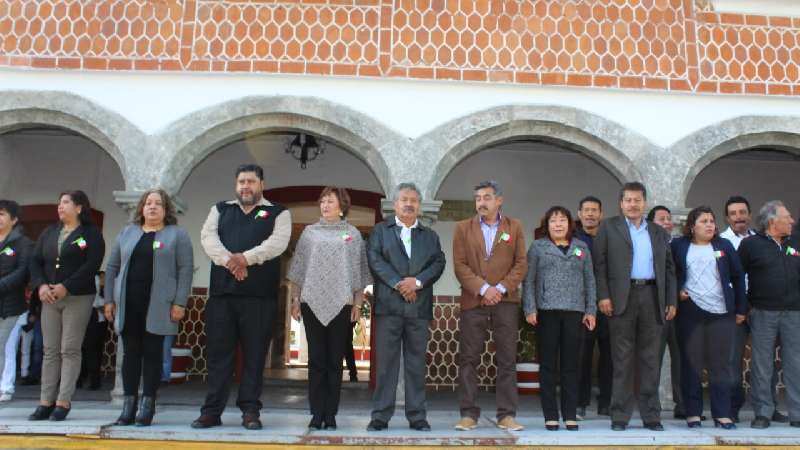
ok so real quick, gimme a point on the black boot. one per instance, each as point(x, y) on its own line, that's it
point(147, 409)
point(128, 411)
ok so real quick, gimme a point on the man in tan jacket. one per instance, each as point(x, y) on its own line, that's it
point(490, 261)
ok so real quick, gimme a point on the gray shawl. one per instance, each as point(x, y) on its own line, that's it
point(329, 265)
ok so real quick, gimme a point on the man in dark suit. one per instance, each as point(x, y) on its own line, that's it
point(405, 259)
point(636, 289)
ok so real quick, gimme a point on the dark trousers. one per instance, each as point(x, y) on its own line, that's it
point(670, 340)
point(638, 330)
point(142, 358)
point(558, 336)
point(393, 333)
point(586, 356)
point(742, 334)
point(349, 353)
point(705, 341)
point(92, 349)
point(326, 346)
point(474, 326)
point(230, 320)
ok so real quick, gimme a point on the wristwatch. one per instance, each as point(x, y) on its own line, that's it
point(419, 283)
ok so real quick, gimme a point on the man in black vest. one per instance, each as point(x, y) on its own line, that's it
point(244, 239)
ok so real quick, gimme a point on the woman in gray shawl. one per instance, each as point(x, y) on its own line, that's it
point(328, 274)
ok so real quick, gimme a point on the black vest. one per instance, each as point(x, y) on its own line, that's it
point(240, 232)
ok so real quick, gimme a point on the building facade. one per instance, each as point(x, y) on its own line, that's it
point(555, 99)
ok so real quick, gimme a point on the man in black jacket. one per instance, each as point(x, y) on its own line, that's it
point(772, 262)
point(406, 260)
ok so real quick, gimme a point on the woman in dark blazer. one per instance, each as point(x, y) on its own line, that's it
point(64, 262)
point(148, 282)
point(712, 301)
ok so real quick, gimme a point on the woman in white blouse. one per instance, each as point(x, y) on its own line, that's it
point(712, 301)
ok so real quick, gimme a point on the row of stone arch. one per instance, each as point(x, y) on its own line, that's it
point(167, 158)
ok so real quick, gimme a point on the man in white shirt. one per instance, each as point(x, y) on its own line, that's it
point(737, 213)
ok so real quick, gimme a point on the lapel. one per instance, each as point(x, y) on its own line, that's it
point(502, 228)
point(475, 240)
point(131, 241)
point(622, 227)
point(722, 268)
point(70, 238)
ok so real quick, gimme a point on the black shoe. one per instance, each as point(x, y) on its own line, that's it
point(619, 426)
point(794, 423)
point(553, 427)
point(724, 425)
point(654, 426)
point(354, 378)
point(251, 421)
point(42, 412)
point(377, 425)
point(147, 409)
point(779, 418)
point(206, 421)
point(760, 423)
point(316, 423)
point(571, 427)
point(420, 425)
point(128, 414)
point(329, 423)
point(603, 411)
point(694, 424)
point(59, 414)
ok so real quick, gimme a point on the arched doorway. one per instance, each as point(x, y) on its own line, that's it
point(212, 180)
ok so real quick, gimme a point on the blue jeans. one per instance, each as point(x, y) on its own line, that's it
point(166, 365)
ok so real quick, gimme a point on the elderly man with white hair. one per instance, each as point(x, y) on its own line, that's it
point(771, 259)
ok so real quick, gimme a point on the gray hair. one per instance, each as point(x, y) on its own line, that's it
point(489, 184)
point(406, 187)
point(767, 212)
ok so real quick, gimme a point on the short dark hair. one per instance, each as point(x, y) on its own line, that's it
point(652, 214)
point(632, 186)
point(691, 220)
point(341, 195)
point(736, 199)
point(489, 184)
point(251, 168)
point(170, 217)
point(590, 199)
point(12, 208)
point(552, 212)
point(80, 199)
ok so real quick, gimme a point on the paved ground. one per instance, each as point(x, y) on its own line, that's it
point(285, 418)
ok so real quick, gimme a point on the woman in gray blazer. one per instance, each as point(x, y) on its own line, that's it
point(558, 296)
point(148, 281)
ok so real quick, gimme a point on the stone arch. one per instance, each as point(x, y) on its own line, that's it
point(701, 148)
point(188, 141)
point(610, 144)
point(110, 131)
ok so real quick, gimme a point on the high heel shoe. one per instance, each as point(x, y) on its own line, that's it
point(147, 409)
point(59, 414)
point(42, 412)
point(724, 425)
point(571, 426)
point(694, 424)
point(551, 427)
point(128, 414)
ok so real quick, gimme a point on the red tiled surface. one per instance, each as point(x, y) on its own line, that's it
point(630, 44)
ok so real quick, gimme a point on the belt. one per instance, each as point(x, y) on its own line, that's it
point(640, 282)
